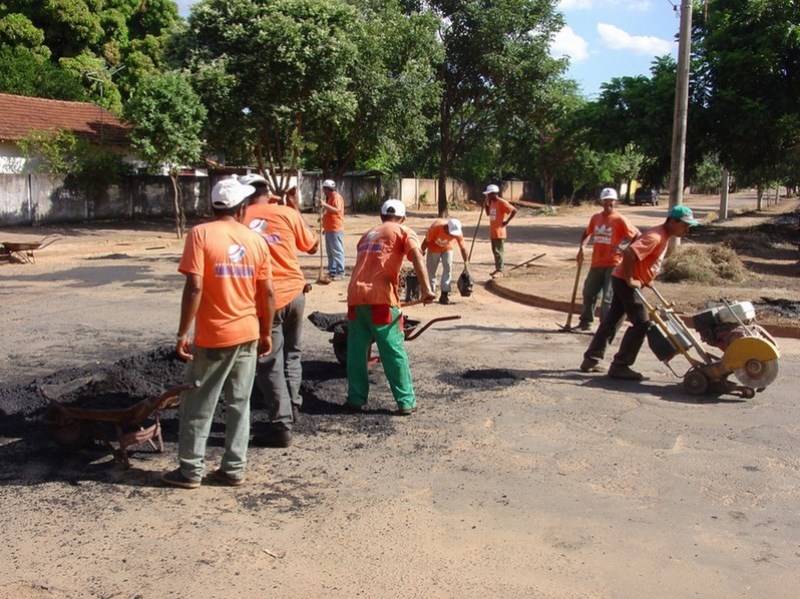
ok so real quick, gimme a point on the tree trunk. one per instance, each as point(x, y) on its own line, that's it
point(180, 217)
point(759, 198)
point(548, 188)
point(444, 156)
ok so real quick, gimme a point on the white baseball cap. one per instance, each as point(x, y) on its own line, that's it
point(609, 193)
point(454, 227)
point(329, 183)
point(254, 179)
point(491, 189)
point(230, 192)
point(393, 208)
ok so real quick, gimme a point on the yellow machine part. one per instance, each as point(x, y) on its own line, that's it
point(748, 348)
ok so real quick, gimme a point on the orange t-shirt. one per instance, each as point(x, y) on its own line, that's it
point(498, 210)
point(230, 259)
point(649, 250)
point(439, 240)
point(284, 231)
point(381, 252)
point(333, 222)
point(608, 231)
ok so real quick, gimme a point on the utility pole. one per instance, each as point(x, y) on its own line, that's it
point(681, 108)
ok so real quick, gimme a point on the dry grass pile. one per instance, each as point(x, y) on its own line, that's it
point(754, 242)
point(703, 264)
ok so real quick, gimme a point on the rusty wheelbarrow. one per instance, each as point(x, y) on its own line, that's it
point(337, 324)
point(23, 251)
point(75, 428)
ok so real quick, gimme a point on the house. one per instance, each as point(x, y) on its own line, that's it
point(21, 115)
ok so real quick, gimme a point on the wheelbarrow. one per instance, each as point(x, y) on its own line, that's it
point(75, 428)
point(23, 251)
point(748, 351)
point(337, 324)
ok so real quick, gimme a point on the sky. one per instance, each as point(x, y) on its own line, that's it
point(605, 38)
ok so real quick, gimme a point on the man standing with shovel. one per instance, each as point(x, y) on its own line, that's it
point(610, 230)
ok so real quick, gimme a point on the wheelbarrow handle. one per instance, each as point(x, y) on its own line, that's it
point(421, 330)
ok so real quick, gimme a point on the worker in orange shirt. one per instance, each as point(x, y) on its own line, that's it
point(641, 262)
point(500, 213)
point(609, 230)
point(438, 247)
point(333, 228)
point(373, 308)
point(279, 375)
point(228, 271)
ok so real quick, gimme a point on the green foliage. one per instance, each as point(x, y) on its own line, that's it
point(62, 152)
point(167, 119)
point(750, 51)
point(26, 73)
point(58, 152)
point(368, 204)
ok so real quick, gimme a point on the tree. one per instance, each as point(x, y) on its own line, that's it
point(167, 119)
point(490, 50)
point(749, 52)
point(25, 73)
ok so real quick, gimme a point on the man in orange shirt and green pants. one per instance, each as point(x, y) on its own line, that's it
point(498, 209)
point(227, 268)
point(641, 262)
point(280, 374)
point(608, 229)
point(373, 308)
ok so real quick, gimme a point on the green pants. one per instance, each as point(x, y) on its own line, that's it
point(498, 245)
point(361, 332)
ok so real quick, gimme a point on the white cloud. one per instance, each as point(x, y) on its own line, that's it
point(569, 43)
point(617, 39)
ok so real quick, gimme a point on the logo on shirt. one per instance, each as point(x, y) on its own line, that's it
point(602, 235)
point(259, 225)
point(236, 252)
point(369, 243)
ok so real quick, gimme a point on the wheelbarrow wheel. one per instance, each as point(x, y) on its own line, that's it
point(695, 382)
point(340, 344)
point(68, 433)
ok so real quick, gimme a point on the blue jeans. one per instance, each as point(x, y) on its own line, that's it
point(280, 374)
point(334, 246)
point(228, 369)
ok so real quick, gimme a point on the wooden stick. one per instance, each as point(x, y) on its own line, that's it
point(480, 216)
point(528, 262)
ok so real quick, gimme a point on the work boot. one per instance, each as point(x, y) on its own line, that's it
point(175, 478)
point(223, 478)
point(590, 365)
point(443, 299)
point(623, 371)
point(585, 326)
point(405, 411)
point(275, 437)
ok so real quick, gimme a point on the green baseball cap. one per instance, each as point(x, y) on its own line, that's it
point(683, 214)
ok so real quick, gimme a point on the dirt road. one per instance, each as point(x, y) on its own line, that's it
point(520, 476)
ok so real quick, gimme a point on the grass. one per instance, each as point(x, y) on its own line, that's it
point(703, 264)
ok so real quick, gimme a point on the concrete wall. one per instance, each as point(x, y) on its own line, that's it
point(425, 192)
point(35, 199)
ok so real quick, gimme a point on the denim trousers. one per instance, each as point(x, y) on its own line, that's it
point(228, 369)
point(334, 246)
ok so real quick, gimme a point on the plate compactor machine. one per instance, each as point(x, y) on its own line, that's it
point(748, 351)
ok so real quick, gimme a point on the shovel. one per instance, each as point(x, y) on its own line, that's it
point(321, 280)
point(568, 328)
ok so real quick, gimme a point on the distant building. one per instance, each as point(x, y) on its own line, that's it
point(21, 115)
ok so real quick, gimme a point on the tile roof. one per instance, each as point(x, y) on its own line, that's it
point(19, 115)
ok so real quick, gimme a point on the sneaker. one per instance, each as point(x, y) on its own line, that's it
point(443, 299)
point(276, 437)
point(405, 411)
point(176, 479)
point(590, 365)
point(222, 477)
point(585, 326)
point(622, 371)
